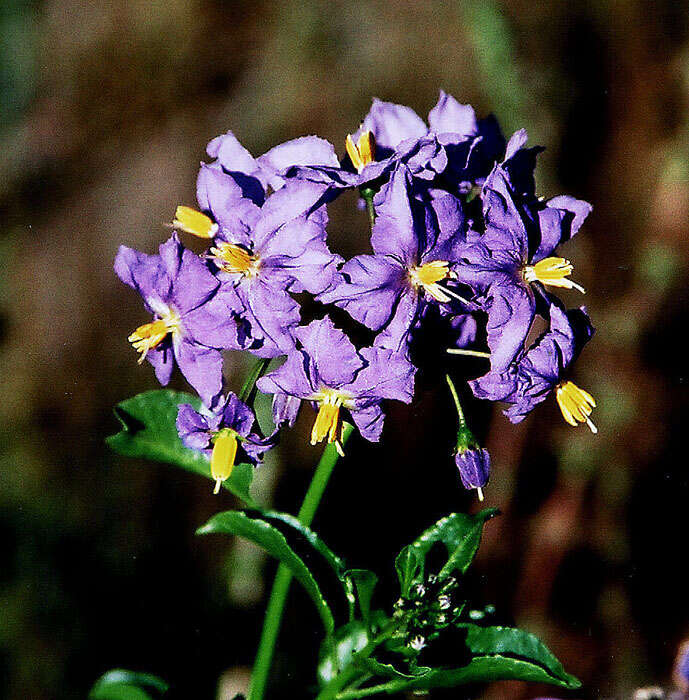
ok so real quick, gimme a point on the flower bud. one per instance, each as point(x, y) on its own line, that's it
point(472, 460)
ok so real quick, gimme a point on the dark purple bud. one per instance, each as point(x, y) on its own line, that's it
point(474, 467)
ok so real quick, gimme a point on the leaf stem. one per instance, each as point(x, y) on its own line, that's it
point(458, 405)
point(283, 578)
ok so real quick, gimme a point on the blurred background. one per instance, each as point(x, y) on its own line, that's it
point(106, 108)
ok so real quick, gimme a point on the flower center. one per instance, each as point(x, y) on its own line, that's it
point(233, 258)
point(223, 456)
point(427, 277)
point(576, 404)
point(194, 222)
point(150, 335)
point(328, 422)
point(363, 151)
point(553, 272)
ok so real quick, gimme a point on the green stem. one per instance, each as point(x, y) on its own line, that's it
point(283, 578)
point(255, 374)
point(458, 405)
point(389, 687)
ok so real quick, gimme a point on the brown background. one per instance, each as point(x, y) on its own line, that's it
point(106, 110)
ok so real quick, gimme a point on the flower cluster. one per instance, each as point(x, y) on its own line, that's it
point(459, 236)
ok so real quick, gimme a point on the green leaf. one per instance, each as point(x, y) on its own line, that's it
point(461, 535)
point(483, 669)
point(499, 653)
point(509, 641)
point(296, 532)
point(149, 431)
point(120, 684)
point(337, 650)
point(273, 541)
point(365, 582)
point(409, 567)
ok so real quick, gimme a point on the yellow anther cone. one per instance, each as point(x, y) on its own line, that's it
point(223, 456)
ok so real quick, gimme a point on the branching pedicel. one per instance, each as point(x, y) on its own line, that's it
point(461, 240)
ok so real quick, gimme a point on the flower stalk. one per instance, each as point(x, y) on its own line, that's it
point(283, 578)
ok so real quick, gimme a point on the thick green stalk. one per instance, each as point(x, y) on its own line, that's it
point(283, 578)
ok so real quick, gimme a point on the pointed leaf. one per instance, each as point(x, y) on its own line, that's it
point(482, 669)
point(301, 538)
point(149, 431)
point(509, 641)
point(461, 535)
point(273, 541)
point(409, 567)
point(120, 684)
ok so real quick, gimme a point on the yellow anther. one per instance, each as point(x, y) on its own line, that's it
point(234, 258)
point(328, 423)
point(150, 335)
point(223, 456)
point(427, 276)
point(194, 222)
point(553, 272)
point(363, 152)
point(576, 404)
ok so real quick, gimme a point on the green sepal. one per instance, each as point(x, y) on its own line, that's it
point(149, 431)
point(120, 684)
point(465, 440)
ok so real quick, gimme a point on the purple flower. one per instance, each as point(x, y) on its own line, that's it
point(470, 146)
point(255, 175)
point(193, 318)
point(328, 371)
point(228, 428)
point(415, 247)
point(264, 252)
point(542, 368)
point(453, 144)
point(502, 264)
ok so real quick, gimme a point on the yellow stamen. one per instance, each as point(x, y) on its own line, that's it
point(234, 258)
point(427, 277)
point(576, 404)
point(363, 152)
point(223, 456)
point(328, 423)
point(553, 272)
point(150, 335)
point(194, 222)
